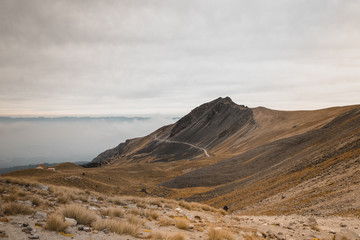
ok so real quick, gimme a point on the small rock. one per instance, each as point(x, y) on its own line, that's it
point(33, 237)
point(25, 225)
point(343, 225)
point(4, 219)
point(312, 221)
point(179, 210)
point(27, 202)
point(258, 234)
point(197, 217)
point(43, 187)
point(81, 228)
point(39, 224)
point(39, 215)
point(27, 231)
point(72, 222)
point(87, 229)
point(3, 234)
point(191, 227)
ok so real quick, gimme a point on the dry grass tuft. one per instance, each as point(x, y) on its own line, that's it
point(133, 220)
point(252, 237)
point(141, 205)
point(137, 211)
point(113, 212)
point(116, 226)
point(64, 198)
point(16, 208)
point(3, 189)
point(149, 213)
point(157, 202)
point(182, 224)
point(80, 214)
point(36, 201)
point(21, 182)
point(166, 221)
point(56, 223)
point(220, 234)
point(10, 198)
point(158, 235)
point(117, 201)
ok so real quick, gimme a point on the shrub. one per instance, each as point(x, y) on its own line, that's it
point(149, 213)
point(35, 200)
point(141, 205)
point(137, 211)
point(113, 212)
point(56, 223)
point(166, 236)
point(110, 224)
point(220, 234)
point(182, 224)
point(16, 208)
point(64, 198)
point(133, 220)
point(117, 201)
point(80, 214)
point(158, 235)
point(166, 221)
point(116, 226)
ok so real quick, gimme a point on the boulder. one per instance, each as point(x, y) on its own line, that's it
point(39, 215)
point(72, 222)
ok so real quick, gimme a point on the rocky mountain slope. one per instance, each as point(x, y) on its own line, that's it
point(250, 155)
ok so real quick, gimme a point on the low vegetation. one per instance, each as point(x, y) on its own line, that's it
point(14, 208)
point(182, 224)
point(80, 214)
point(220, 234)
point(56, 223)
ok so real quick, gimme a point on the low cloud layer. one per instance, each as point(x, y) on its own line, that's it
point(27, 141)
point(147, 57)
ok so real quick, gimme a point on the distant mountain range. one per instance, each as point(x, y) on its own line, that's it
point(30, 166)
point(70, 119)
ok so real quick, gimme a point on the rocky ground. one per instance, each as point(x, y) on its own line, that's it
point(27, 207)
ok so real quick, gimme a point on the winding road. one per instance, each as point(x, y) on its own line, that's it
point(189, 144)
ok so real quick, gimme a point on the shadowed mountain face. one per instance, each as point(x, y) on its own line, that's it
point(203, 128)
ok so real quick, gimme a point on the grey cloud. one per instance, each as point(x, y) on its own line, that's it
point(118, 57)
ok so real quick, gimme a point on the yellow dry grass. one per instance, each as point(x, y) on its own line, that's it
point(56, 223)
point(80, 214)
point(14, 208)
point(166, 221)
point(220, 234)
point(113, 212)
point(182, 224)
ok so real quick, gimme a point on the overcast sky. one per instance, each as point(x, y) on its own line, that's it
point(166, 57)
